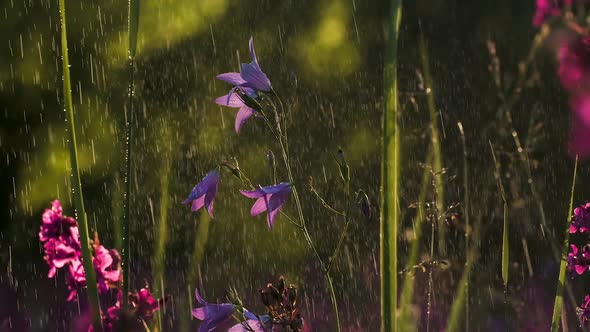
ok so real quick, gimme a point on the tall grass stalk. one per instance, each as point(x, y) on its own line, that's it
point(505, 243)
point(202, 235)
point(92, 290)
point(435, 141)
point(162, 234)
point(390, 176)
point(133, 26)
point(407, 321)
point(558, 305)
point(461, 302)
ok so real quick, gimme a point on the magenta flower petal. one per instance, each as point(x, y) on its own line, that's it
point(203, 194)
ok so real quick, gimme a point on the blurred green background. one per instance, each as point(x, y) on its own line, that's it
point(325, 59)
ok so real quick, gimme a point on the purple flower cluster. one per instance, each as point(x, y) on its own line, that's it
point(579, 261)
point(584, 311)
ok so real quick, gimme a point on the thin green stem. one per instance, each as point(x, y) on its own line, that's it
point(281, 135)
point(133, 26)
point(558, 306)
point(324, 203)
point(92, 290)
point(435, 141)
point(390, 163)
point(407, 322)
point(346, 223)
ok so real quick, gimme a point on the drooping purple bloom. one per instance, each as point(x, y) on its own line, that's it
point(236, 100)
point(583, 311)
point(203, 194)
point(250, 75)
point(581, 219)
point(578, 261)
point(574, 63)
point(144, 304)
point(269, 199)
point(214, 316)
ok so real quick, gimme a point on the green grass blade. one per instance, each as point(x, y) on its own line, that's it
point(92, 290)
point(505, 243)
point(133, 26)
point(436, 146)
point(558, 306)
point(390, 177)
point(195, 264)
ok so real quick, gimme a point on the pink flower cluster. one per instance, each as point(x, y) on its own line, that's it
point(61, 243)
point(62, 248)
point(578, 259)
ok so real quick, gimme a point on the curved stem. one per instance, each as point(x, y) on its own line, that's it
point(281, 135)
point(92, 290)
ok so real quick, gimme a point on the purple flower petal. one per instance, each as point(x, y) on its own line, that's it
point(244, 114)
point(258, 207)
point(253, 53)
point(203, 194)
point(255, 78)
point(232, 100)
point(232, 78)
point(252, 193)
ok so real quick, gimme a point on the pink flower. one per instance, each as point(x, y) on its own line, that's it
point(581, 219)
point(547, 9)
point(577, 261)
point(574, 63)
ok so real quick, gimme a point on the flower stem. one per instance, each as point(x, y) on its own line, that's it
point(92, 290)
point(133, 25)
point(558, 306)
point(281, 135)
point(390, 177)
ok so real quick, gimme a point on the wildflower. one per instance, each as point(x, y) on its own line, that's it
point(579, 143)
point(203, 194)
point(574, 63)
point(76, 278)
point(239, 100)
point(212, 315)
point(62, 241)
point(577, 261)
point(250, 75)
point(144, 303)
point(583, 311)
point(269, 199)
point(106, 265)
point(581, 219)
point(547, 9)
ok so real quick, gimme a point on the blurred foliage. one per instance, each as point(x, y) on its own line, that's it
point(325, 59)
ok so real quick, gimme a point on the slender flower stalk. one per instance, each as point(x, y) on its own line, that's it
point(282, 138)
point(558, 305)
point(435, 141)
point(407, 322)
point(133, 26)
point(92, 292)
point(462, 298)
point(390, 177)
